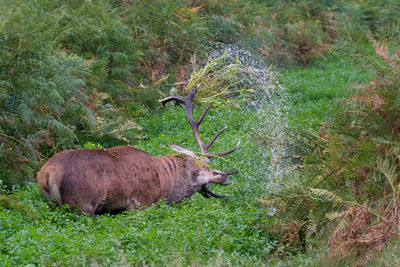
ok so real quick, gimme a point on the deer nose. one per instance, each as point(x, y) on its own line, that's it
point(226, 177)
point(220, 177)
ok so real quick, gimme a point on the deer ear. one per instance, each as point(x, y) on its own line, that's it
point(183, 150)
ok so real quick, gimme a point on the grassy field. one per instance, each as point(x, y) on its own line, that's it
point(310, 88)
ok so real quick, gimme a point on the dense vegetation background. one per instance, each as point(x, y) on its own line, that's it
point(310, 87)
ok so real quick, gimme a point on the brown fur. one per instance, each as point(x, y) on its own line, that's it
point(121, 178)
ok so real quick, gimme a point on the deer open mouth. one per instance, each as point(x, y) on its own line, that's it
point(207, 193)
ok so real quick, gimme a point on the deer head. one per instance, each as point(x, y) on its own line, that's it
point(216, 176)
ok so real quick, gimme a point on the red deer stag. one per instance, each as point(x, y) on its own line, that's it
point(123, 178)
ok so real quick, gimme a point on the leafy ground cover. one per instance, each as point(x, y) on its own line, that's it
point(87, 74)
point(315, 91)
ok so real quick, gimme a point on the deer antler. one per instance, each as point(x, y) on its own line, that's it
point(188, 103)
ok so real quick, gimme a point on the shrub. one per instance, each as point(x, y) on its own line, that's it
point(42, 95)
point(48, 94)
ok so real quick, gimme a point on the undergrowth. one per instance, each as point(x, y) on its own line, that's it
point(349, 189)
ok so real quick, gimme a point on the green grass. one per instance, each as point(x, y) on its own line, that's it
point(315, 91)
point(195, 231)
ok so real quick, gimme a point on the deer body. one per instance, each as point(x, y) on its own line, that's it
point(123, 178)
point(120, 178)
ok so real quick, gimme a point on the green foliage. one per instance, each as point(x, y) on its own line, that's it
point(77, 72)
point(376, 17)
point(368, 124)
point(49, 96)
point(43, 99)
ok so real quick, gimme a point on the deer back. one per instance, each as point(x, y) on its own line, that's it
point(118, 178)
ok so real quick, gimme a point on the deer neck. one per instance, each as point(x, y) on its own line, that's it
point(181, 176)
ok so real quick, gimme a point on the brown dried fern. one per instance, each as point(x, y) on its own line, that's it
point(382, 50)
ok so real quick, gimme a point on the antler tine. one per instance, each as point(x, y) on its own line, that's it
point(172, 98)
point(188, 102)
point(193, 92)
point(232, 173)
point(203, 114)
point(215, 137)
point(206, 189)
point(226, 152)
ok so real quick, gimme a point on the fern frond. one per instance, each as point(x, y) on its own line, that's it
point(25, 112)
point(299, 205)
point(331, 216)
point(343, 223)
point(117, 128)
point(121, 71)
point(382, 50)
point(325, 195)
point(54, 97)
point(60, 128)
point(5, 84)
point(76, 85)
point(128, 125)
point(388, 169)
point(384, 141)
point(31, 150)
point(119, 58)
